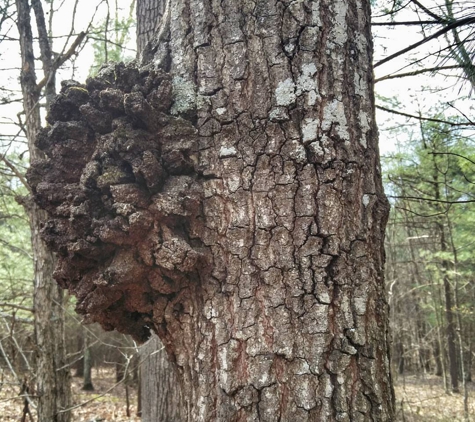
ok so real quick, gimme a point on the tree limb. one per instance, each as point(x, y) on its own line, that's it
point(63, 58)
point(450, 27)
point(428, 119)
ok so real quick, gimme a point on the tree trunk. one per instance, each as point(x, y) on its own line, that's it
point(149, 15)
point(448, 291)
point(79, 363)
point(52, 375)
point(87, 383)
point(161, 396)
point(248, 230)
point(291, 322)
point(438, 359)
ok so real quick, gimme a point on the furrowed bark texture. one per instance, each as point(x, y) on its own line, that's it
point(52, 375)
point(232, 203)
point(162, 398)
point(149, 14)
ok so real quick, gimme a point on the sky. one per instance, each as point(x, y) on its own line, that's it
point(416, 94)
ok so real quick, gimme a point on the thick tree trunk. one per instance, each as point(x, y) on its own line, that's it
point(252, 241)
point(52, 375)
point(161, 396)
point(291, 322)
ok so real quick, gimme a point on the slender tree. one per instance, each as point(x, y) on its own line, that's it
point(227, 195)
point(52, 375)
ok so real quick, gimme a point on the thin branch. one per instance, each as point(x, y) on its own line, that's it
point(440, 201)
point(416, 72)
point(453, 153)
point(12, 305)
point(421, 215)
point(60, 60)
point(428, 119)
point(429, 12)
point(15, 171)
point(450, 27)
point(405, 23)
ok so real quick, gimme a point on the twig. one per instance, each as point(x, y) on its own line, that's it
point(63, 58)
point(12, 167)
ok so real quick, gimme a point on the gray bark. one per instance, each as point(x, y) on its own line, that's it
point(52, 377)
point(161, 394)
point(87, 383)
point(232, 202)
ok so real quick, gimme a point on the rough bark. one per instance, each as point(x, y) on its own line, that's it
point(232, 203)
point(149, 16)
point(52, 377)
point(161, 395)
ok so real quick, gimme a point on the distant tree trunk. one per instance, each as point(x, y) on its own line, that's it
point(439, 370)
point(149, 15)
point(79, 364)
point(160, 388)
point(400, 357)
point(448, 291)
point(229, 197)
point(53, 379)
point(87, 383)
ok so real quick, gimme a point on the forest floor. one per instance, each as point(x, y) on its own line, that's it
point(423, 399)
point(418, 399)
point(106, 403)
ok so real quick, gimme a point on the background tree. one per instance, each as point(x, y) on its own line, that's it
point(430, 265)
point(48, 343)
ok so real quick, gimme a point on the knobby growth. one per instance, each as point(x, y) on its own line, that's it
point(121, 185)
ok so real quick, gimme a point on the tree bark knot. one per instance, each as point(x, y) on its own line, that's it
point(123, 196)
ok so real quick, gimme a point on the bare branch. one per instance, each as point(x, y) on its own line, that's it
point(407, 23)
point(417, 72)
point(12, 305)
point(440, 201)
point(12, 167)
point(60, 60)
point(450, 27)
point(428, 119)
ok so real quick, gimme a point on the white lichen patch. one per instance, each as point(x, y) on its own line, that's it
point(309, 129)
point(334, 112)
point(289, 47)
point(315, 16)
point(285, 93)
point(184, 95)
point(366, 199)
point(225, 152)
point(279, 114)
point(328, 390)
point(220, 111)
point(312, 98)
point(365, 127)
point(339, 33)
point(360, 301)
point(298, 152)
point(233, 183)
point(306, 81)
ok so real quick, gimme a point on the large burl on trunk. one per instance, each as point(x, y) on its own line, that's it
point(227, 195)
